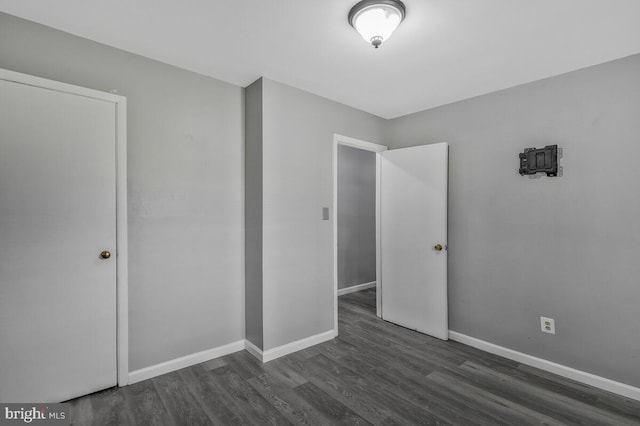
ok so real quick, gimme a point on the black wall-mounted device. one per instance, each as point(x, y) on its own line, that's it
point(536, 160)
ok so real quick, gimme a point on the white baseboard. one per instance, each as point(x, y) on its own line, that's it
point(197, 358)
point(552, 367)
point(185, 361)
point(271, 354)
point(355, 288)
point(253, 349)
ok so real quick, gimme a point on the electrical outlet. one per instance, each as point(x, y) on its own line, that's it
point(548, 325)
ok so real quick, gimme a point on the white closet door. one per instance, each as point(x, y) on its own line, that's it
point(413, 215)
point(57, 214)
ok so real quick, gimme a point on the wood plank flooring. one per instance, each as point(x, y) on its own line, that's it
point(373, 373)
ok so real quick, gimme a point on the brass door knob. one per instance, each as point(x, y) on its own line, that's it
point(105, 255)
point(438, 247)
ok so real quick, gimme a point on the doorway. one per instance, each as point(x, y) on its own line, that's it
point(356, 231)
point(63, 240)
point(411, 186)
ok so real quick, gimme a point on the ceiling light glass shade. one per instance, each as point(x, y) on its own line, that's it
point(376, 20)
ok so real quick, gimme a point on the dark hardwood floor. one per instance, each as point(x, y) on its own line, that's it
point(373, 373)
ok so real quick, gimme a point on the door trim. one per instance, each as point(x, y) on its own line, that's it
point(367, 146)
point(122, 284)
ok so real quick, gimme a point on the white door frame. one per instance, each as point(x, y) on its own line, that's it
point(367, 146)
point(122, 326)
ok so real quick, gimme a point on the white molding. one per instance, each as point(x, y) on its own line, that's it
point(253, 349)
point(296, 346)
point(357, 143)
point(184, 362)
point(378, 236)
point(552, 367)
point(122, 256)
point(289, 348)
point(122, 245)
point(335, 234)
point(355, 288)
point(367, 146)
point(58, 86)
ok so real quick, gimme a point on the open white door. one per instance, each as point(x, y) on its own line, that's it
point(57, 244)
point(413, 222)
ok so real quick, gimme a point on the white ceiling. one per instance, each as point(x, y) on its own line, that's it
point(444, 51)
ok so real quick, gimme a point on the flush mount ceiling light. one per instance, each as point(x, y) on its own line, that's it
point(376, 20)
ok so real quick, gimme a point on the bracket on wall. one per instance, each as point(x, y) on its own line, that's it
point(539, 160)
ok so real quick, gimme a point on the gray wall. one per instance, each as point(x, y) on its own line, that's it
point(298, 182)
point(520, 248)
point(565, 247)
point(356, 216)
point(253, 213)
point(185, 155)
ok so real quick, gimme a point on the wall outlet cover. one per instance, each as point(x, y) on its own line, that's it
point(548, 325)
